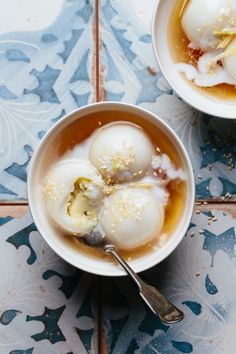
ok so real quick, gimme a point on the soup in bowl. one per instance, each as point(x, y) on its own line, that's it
point(116, 172)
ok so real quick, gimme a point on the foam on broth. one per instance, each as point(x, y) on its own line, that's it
point(81, 129)
point(182, 53)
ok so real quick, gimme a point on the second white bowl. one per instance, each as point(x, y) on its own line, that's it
point(161, 46)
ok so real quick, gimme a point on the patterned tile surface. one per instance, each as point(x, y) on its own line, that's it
point(131, 75)
point(200, 278)
point(46, 306)
point(46, 61)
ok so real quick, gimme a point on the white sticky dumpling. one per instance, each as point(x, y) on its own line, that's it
point(203, 20)
point(72, 191)
point(131, 217)
point(121, 152)
point(230, 60)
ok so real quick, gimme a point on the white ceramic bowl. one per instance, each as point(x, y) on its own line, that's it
point(194, 97)
point(63, 249)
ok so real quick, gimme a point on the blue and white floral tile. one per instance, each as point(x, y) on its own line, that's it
point(131, 75)
point(46, 70)
point(46, 306)
point(199, 277)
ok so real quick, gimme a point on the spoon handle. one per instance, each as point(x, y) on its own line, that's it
point(159, 305)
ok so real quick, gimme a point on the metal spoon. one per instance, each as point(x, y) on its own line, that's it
point(159, 305)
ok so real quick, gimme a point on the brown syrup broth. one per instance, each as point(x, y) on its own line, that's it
point(182, 53)
point(81, 129)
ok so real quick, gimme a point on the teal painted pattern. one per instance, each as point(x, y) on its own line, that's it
point(131, 75)
point(46, 306)
point(203, 289)
point(44, 74)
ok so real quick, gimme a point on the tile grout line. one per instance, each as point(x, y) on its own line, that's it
point(97, 80)
point(13, 203)
point(97, 50)
point(99, 316)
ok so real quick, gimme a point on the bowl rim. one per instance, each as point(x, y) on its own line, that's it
point(173, 83)
point(178, 237)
